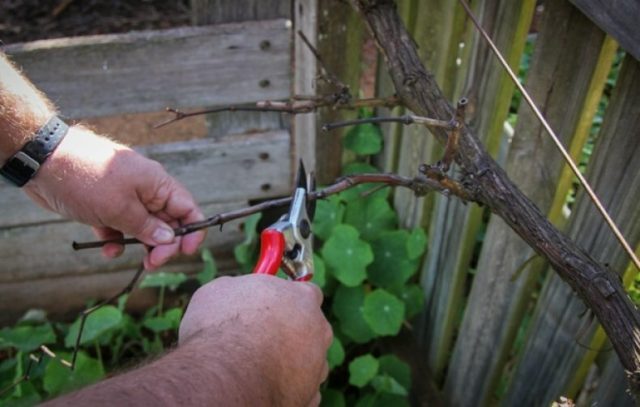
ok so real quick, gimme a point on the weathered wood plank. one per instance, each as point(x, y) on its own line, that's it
point(618, 19)
point(44, 251)
point(338, 24)
point(60, 295)
point(305, 68)
point(150, 70)
point(496, 303)
point(454, 225)
point(242, 167)
point(206, 12)
point(551, 356)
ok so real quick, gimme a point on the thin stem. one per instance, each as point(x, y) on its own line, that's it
point(420, 184)
point(406, 120)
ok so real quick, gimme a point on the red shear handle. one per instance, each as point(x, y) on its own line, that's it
point(271, 251)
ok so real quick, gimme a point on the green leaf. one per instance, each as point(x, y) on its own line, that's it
point(332, 398)
point(387, 384)
point(396, 368)
point(371, 217)
point(329, 213)
point(245, 252)
point(26, 338)
point(347, 256)
point(413, 298)
point(319, 271)
point(391, 266)
point(383, 312)
point(335, 354)
point(363, 139)
point(163, 279)
point(417, 243)
point(60, 379)
point(170, 320)
point(210, 269)
point(97, 323)
point(347, 306)
point(362, 369)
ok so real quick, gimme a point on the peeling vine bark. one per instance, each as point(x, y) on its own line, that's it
point(600, 289)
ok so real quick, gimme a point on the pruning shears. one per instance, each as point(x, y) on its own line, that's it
point(289, 241)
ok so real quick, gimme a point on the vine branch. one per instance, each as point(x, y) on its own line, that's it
point(420, 185)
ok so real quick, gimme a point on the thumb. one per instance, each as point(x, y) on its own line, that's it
point(147, 228)
point(154, 232)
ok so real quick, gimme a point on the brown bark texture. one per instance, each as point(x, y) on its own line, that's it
point(600, 288)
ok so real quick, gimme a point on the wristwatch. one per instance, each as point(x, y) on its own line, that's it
point(24, 164)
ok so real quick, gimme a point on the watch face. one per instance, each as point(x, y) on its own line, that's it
point(20, 168)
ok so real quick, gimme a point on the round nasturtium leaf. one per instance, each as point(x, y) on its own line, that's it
point(329, 213)
point(362, 369)
point(371, 217)
point(163, 279)
point(335, 353)
point(347, 306)
point(384, 312)
point(384, 383)
point(363, 139)
point(60, 379)
point(347, 256)
point(391, 266)
point(396, 368)
point(417, 243)
point(97, 323)
point(319, 271)
point(26, 338)
point(413, 298)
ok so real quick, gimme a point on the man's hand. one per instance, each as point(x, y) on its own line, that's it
point(280, 333)
point(96, 181)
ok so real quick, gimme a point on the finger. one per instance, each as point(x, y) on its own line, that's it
point(146, 227)
point(182, 207)
point(315, 401)
point(160, 254)
point(325, 372)
point(312, 290)
point(109, 250)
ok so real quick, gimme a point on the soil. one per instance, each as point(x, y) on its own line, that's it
point(30, 20)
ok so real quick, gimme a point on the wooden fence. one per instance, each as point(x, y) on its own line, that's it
point(499, 327)
point(246, 53)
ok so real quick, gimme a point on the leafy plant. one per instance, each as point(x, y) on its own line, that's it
point(111, 338)
point(366, 266)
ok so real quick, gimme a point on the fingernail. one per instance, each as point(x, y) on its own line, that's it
point(163, 235)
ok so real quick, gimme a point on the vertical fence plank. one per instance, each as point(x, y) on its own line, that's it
point(496, 302)
point(454, 226)
point(433, 33)
point(340, 33)
point(305, 19)
point(551, 354)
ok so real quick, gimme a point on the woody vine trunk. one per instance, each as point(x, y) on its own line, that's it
point(600, 289)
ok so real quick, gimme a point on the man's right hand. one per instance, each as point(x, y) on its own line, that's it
point(281, 334)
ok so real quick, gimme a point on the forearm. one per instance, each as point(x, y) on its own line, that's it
point(23, 109)
point(199, 372)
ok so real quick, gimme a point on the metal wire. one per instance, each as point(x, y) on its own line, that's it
point(554, 137)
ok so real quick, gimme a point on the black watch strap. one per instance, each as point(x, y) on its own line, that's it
point(24, 165)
